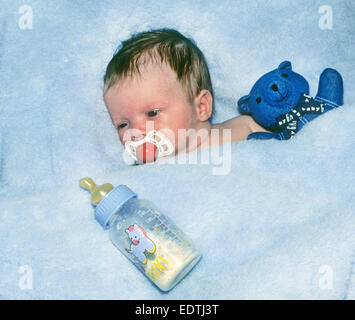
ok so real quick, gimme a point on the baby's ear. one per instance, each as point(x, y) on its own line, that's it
point(204, 103)
point(243, 104)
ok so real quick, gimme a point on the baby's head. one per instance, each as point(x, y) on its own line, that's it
point(158, 80)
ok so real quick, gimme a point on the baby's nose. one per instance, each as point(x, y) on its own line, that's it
point(132, 134)
point(137, 135)
point(141, 127)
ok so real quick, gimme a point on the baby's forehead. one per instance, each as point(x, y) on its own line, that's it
point(153, 68)
point(152, 79)
point(155, 83)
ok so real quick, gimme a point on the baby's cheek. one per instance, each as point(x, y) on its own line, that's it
point(121, 137)
point(181, 139)
point(169, 134)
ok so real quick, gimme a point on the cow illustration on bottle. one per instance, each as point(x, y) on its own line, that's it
point(140, 243)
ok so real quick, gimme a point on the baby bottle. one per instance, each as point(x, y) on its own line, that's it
point(143, 234)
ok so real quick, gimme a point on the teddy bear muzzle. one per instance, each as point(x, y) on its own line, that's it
point(276, 91)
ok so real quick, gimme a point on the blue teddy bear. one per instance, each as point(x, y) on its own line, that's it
point(280, 102)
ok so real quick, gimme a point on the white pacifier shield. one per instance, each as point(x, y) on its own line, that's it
point(163, 144)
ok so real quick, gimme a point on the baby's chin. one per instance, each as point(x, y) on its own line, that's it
point(165, 157)
point(179, 149)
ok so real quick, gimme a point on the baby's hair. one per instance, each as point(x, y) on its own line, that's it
point(164, 46)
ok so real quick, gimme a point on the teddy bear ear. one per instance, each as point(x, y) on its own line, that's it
point(285, 65)
point(243, 103)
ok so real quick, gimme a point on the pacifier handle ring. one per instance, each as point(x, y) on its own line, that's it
point(160, 144)
point(131, 149)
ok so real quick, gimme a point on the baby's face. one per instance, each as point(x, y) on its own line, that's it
point(152, 98)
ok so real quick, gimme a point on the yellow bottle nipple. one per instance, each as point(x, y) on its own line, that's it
point(97, 192)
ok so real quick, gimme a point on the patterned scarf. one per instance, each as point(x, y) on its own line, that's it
point(288, 122)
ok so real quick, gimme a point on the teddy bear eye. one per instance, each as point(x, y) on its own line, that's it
point(285, 75)
point(258, 100)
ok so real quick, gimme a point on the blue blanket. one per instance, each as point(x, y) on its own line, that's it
point(274, 220)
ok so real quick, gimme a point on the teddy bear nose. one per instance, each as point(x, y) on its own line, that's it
point(276, 91)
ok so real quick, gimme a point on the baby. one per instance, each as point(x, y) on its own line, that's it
point(158, 84)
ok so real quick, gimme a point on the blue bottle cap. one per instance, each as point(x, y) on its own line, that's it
point(113, 201)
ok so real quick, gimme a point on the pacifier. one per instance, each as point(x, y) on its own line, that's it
point(150, 148)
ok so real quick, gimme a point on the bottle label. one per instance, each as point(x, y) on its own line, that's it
point(156, 246)
point(143, 249)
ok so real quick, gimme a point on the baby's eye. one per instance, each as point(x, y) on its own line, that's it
point(122, 125)
point(153, 113)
